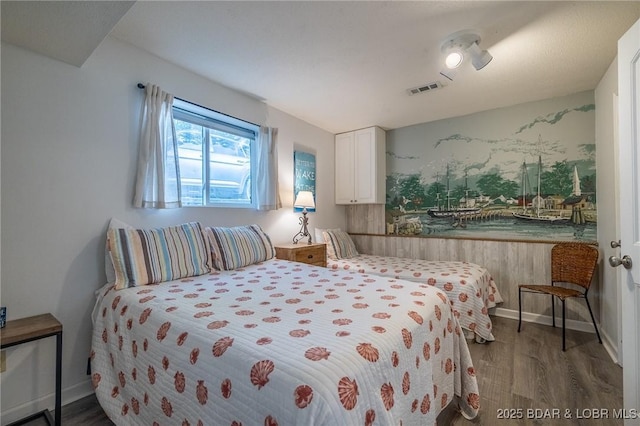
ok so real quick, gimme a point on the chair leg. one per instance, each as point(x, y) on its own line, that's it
point(553, 311)
point(593, 319)
point(563, 331)
point(519, 308)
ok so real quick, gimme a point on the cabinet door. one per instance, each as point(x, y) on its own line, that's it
point(369, 166)
point(345, 168)
point(365, 165)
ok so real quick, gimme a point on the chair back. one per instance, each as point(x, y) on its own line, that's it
point(573, 263)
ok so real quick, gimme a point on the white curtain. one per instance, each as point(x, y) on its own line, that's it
point(158, 176)
point(266, 181)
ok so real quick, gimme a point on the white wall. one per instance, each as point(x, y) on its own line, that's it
point(69, 150)
point(607, 190)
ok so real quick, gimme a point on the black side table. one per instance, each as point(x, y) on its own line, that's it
point(24, 330)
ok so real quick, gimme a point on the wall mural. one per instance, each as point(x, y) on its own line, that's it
point(522, 172)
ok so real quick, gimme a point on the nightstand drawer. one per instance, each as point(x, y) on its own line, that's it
point(309, 255)
point(312, 254)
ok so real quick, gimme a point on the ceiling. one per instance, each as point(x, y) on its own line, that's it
point(66, 31)
point(345, 65)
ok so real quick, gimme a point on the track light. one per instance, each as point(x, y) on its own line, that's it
point(479, 58)
point(457, 46)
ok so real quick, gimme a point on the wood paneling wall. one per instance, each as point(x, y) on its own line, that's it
point(509, 262)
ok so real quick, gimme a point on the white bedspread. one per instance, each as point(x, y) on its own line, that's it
point(280, 343)
point(470, 287)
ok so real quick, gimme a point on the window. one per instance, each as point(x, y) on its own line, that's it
point(215, 153)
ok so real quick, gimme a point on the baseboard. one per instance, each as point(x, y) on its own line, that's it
point(584, 326)
point(611, 347)
point(587, 327)
point(47, 402)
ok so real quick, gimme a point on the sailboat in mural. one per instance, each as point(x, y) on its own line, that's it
point(536, 213)
point(446, 211)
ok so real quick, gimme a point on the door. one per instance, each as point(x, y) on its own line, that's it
point(629, 155)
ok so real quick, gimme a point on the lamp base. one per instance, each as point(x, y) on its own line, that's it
point(304, 231)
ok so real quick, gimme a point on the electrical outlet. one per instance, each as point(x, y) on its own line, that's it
point(3, 361)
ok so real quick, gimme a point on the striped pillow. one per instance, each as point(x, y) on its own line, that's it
point(238, 246)
point(150, 256)
point(339, 244)
point(109, 269)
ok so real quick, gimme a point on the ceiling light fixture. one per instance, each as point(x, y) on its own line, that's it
point(457, 46)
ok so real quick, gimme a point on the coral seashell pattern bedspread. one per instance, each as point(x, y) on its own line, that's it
point(280, 343)
point(470, 287)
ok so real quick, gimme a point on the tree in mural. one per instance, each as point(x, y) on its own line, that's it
point(393, 186)
point(558, 180)
point(588, 183)
point(510, 188)
point(434, 194)
point(494, 185)
point(588, 186)
point(458, 193)
point(412, 192)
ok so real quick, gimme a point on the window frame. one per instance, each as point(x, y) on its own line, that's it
point(209, 119)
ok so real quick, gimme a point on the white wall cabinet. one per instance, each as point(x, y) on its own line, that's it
point(361, 166)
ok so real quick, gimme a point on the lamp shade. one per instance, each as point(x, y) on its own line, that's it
point(304, 199)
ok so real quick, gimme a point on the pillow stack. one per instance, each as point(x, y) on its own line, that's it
point(136, 257)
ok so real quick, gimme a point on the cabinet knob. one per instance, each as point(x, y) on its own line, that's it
point(310, 256)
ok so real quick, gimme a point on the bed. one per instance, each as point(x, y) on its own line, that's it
point(470, 287)
point(256, 340)
point(279, 343)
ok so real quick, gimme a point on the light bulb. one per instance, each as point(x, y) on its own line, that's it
point(453, 60)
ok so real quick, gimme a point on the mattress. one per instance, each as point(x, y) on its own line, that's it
point(470, 288)
point(280, 343)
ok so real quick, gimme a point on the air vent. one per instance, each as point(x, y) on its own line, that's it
point(425, 88)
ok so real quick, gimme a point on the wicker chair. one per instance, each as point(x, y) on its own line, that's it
point(570, 263)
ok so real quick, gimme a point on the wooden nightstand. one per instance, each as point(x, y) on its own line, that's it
point(24, 330)
point(313, 254)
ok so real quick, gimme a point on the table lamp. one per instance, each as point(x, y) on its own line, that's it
point(303, 200)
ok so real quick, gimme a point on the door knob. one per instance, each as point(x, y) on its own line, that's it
point(616, 261)
point(615, 244)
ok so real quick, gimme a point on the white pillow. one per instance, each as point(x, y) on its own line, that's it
point(319, 237)
point(109, 270)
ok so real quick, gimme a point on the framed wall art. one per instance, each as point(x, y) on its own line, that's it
point(304, 168)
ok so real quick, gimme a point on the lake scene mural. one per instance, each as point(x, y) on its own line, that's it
point(525, 172)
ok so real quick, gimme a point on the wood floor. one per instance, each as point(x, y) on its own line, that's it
point(522, 375)
point(528, 371)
